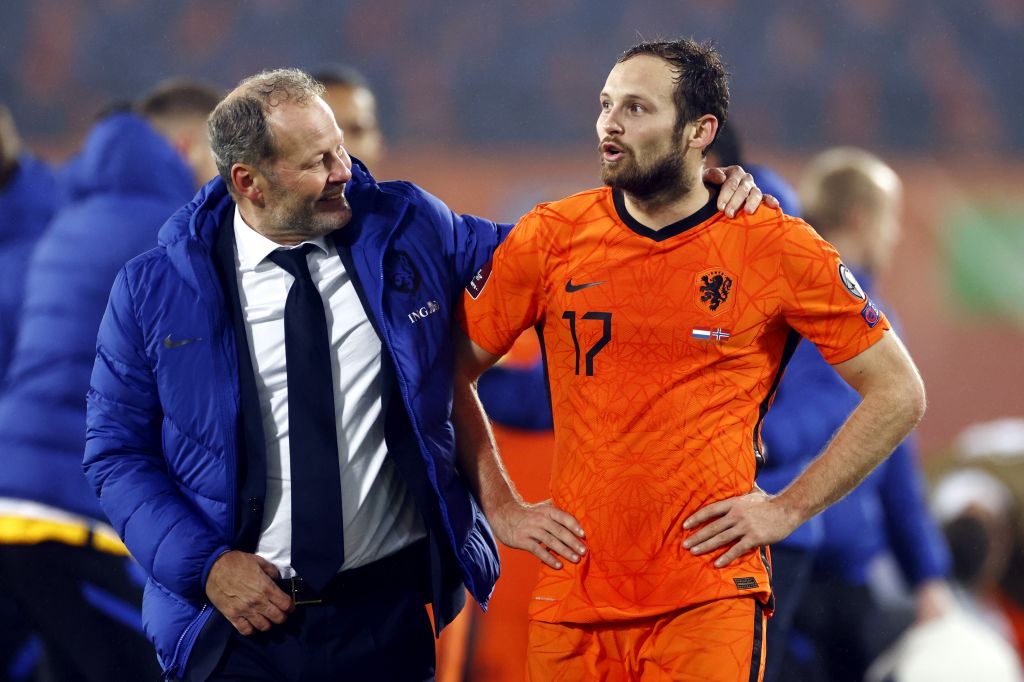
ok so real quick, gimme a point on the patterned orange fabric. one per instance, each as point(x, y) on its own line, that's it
point(663, 351)
point(721, 641)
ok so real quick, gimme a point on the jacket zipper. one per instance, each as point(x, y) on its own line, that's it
point(173, 669)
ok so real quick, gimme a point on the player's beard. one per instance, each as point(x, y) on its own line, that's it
point(660, 180)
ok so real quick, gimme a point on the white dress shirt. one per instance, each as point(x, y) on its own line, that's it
point(379, 513)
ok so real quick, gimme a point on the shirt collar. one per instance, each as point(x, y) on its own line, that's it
point(253, 247)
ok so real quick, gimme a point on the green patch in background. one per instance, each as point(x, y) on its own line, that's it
point(983, 254)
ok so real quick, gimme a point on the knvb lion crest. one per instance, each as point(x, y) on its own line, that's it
point(401, 273)
point(713, 290)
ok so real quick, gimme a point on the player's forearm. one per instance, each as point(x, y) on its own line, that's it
point(477, 451)
point(888, 412)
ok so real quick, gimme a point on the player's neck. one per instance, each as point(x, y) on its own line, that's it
point(658, 211)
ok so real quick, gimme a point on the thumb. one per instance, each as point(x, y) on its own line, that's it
point(714, 175)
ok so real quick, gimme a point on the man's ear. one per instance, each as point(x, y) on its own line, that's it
point(703, 132)
point(247, 182)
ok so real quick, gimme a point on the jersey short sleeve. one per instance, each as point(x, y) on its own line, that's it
point(821, 298)
point(505, 296)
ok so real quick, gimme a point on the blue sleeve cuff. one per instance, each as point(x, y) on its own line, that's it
point(216, 554)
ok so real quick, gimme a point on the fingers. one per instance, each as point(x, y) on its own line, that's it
point(735, 192)
point(707, 513)
point(559, 546)
point(716, 176)
point(545, 531)
point(250, 624)
point(566, 520)
point(753, 199)
point(242, 625)
point(771, 202)
point(282, 604)
point(267, 567)
point(704, 540)
point(240, 587)
point(541, 552)
point(735, 552)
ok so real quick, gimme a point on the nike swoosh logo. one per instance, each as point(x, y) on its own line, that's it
point(571, 288)
point(171, 343)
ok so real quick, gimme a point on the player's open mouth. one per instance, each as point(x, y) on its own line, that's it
point(611, 152)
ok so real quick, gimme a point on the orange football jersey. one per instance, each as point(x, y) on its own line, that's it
point(663, 351)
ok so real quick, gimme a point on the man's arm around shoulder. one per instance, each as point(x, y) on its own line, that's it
point(893, 404)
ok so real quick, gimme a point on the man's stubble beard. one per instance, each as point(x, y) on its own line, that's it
point(659, 183)
point(305, 221)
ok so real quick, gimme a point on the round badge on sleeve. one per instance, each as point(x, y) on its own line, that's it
point(850, 282)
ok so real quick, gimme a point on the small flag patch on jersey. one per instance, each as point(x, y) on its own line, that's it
point(745, 583)
point(718, 334)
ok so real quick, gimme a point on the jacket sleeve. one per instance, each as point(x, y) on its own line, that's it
point(914, 539)
point(124, 459)
point(475, 242)
point(517, 397)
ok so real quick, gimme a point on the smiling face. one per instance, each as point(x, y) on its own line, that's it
point(641, 145)
point(303, 186)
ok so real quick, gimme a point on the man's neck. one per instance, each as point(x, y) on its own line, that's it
point(659, 211)
point(252, 219)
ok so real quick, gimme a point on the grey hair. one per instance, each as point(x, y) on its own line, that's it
point(239, 131)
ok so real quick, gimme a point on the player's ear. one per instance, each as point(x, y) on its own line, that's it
point(702, 132)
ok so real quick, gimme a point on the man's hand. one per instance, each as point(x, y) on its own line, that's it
point(539, 528)
point(738, 190)
point(745, 522)
point(240, 586)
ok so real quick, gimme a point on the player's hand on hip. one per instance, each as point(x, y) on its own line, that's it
point(541, 529)
point(738, 190)
point(743, 523)
point(240, 585)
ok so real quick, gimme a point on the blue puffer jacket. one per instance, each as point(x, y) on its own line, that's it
point(122, 187)
point(27, 202)
point(163, 447)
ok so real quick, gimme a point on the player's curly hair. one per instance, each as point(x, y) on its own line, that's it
point(702, 82)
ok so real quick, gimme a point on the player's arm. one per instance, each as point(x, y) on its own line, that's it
point(893, 403)
point(738, 190)
point(536, 528)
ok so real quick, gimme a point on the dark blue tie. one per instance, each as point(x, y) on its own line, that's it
point(318, 547)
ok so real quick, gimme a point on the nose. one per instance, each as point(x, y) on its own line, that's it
point(608, 123)
point(341, 167)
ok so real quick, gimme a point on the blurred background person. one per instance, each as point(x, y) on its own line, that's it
point(978, 497)
point(349, 96)
point(824, 570)
point(59, 559)
point(29, 195)
point(979, 486)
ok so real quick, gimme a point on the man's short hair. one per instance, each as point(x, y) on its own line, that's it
point(702, 82)
point(841, 180)
point(239, 131)
point(178, 98)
